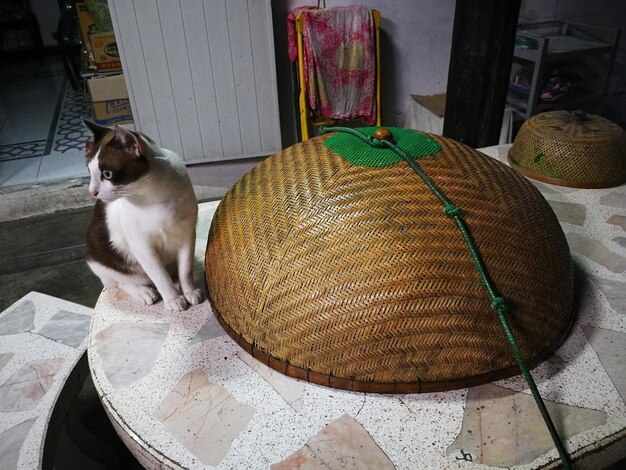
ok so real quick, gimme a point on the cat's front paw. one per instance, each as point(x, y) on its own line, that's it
point(146, 294)
point(177, 304)
point(194, 297)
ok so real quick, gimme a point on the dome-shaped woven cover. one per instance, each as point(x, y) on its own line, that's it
point(570, 148)
point(353, 276)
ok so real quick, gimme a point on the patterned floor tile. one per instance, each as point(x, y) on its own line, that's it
point(67, 131)
point(71, 133)
point(22, 150)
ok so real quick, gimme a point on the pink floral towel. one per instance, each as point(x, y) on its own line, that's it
point(339, 61)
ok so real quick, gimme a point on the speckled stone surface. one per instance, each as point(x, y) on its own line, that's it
point(197, 400)
point(41, 340)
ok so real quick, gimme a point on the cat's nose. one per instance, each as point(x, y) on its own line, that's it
point(94, 193)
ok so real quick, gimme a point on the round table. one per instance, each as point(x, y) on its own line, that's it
point(182, 394)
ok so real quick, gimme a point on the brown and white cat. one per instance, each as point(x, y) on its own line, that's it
point(143, 228)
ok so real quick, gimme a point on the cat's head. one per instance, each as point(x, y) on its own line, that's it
point(116, 159)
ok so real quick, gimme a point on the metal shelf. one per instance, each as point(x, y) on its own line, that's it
point(559, 41)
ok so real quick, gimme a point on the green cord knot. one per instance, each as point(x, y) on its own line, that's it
point(500, 305)
point(451, 209)
point(374, 142)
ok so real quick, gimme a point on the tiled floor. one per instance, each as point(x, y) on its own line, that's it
point(41, 135)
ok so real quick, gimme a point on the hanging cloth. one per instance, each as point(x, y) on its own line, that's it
point(339, 63)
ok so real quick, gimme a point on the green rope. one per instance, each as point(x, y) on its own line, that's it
point(498, 303)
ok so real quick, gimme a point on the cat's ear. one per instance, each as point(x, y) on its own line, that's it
point(97, 130)
point(135, 146)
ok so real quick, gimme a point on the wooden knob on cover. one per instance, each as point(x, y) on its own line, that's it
point(383, 134)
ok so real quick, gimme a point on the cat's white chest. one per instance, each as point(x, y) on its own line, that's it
point(156, 226)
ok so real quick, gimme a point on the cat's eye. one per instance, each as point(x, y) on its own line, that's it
point(107, 174)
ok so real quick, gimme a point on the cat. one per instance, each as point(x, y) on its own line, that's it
point(143, 229)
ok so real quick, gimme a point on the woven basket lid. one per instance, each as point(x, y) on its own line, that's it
point(347, 272)
point(571, 148)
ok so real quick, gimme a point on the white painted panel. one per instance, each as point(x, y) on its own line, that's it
point(201, 75)
point(243, 69)
point(265, 73)
point(223, 75)
point(135, 72)
point(151, 34)
point(178, 63)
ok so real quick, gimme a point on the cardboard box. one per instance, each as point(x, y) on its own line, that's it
point(105, 52)
point(426, 113)
point(109, 99)
point(102, 46)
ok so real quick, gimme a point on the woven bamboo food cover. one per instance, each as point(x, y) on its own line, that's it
point(349, 274)
point(571, 148)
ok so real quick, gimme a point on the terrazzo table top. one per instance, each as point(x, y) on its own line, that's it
point(41, 340)
point(182, 394)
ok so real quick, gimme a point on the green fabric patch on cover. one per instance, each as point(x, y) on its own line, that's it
point(360, 153)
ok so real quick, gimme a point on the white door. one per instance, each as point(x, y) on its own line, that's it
point(201, 75)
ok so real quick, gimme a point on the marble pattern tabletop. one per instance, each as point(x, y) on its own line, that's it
point(41, 340)
point(182, 394)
